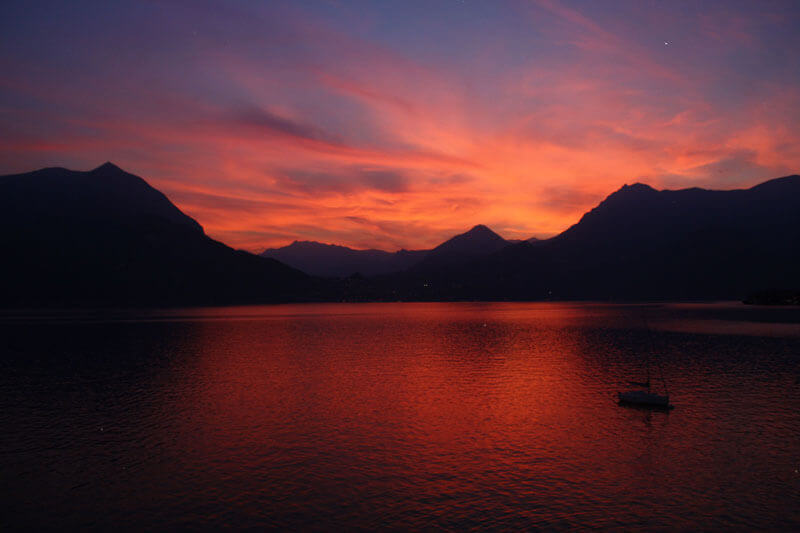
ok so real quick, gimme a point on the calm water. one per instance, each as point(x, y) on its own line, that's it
point(364, 416)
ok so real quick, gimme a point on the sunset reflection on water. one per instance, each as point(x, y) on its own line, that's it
point(401, 415)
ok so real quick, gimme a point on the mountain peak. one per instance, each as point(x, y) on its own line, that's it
point(628, 193)
point(479, 239)
point(107, 167)
point(480, 229)
point(106, 194)
point(637, 187)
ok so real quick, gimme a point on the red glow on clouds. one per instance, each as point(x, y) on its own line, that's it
point(312, 130)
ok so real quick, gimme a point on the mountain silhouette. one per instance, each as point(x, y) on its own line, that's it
point(640, 243)
point(330, 260)
point(479, 240)
point(107, 193)
point(107, 237)
point(476, 242)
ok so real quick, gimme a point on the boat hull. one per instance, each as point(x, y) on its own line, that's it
point(644, 398)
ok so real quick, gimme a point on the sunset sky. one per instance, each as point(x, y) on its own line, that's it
point(396, 124)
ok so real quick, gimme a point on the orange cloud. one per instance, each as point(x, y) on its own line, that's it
point(294, 125)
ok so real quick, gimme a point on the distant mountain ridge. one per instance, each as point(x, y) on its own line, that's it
point(640, 243)
point(477, 242)
point(330, 260)
point(106, 237)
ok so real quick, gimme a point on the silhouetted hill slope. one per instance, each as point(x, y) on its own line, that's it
point(517, 241)
point(106, 237)
point(640, 243)
point(476, 242)
point(331, 260)
point(107, 193)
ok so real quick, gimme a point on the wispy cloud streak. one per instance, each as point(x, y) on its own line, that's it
point(394, 125)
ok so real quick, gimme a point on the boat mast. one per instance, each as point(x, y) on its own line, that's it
point(658, 361)
point(652, 348)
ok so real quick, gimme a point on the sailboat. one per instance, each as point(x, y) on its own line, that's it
point(643, 396)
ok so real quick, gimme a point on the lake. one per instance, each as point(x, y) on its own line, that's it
point(400, 416)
